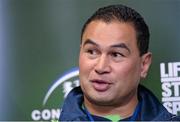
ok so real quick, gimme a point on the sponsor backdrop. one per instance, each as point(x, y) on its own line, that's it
point(39, 45)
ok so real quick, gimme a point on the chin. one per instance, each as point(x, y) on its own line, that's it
point(102, 101)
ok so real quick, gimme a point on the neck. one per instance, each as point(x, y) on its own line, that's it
point(124, 110)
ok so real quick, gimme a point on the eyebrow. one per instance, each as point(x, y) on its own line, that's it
point(89, 41)
point(120, 45)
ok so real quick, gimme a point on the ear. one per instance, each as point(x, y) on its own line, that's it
point(146, 62)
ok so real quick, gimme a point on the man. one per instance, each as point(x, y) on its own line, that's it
point(114, 57)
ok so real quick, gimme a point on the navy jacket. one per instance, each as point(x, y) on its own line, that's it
point(151, 109)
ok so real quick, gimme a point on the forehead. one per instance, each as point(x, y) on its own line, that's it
point(111, 32)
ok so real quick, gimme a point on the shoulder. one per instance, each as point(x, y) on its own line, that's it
point(175, 118)
point(71, 110)
point(152, 108)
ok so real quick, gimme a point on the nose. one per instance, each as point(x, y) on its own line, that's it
point(103, 65)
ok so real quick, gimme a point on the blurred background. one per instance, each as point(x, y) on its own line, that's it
point(39, 46)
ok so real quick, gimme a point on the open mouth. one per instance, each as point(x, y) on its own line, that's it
point(100, 85)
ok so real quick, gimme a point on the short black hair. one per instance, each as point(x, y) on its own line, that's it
point(125, 14)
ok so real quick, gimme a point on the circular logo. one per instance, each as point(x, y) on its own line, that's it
point(63, 85)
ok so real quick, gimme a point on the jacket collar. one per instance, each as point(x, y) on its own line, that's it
point(72, 108)
point(151, 108)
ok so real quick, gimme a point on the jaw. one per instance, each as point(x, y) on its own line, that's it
point(102, 108)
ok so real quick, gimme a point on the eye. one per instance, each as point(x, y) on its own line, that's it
point(116, 54)
point(91, 51)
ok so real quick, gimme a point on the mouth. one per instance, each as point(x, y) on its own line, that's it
point(100, 85)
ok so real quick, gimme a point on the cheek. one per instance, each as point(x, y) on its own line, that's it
point(85, 69)
point(85, 66)
point(82, 64)
point(128, 71)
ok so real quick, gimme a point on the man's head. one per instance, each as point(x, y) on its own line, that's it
point(113, 56)
point(124, 14)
